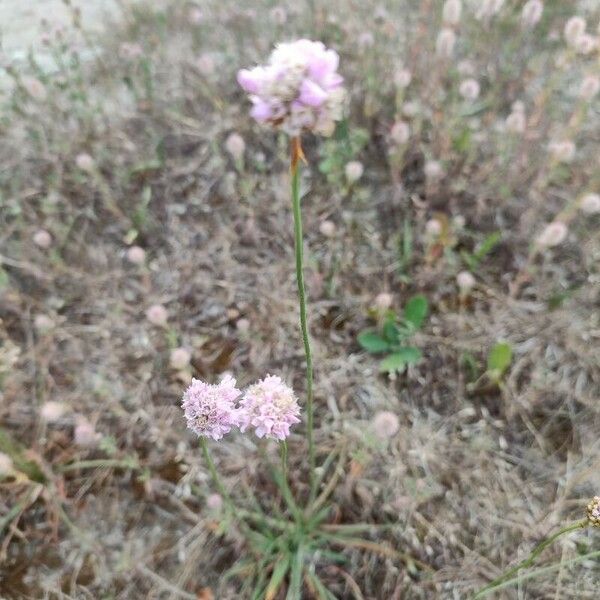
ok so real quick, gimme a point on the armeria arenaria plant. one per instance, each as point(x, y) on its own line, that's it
point(298, 92)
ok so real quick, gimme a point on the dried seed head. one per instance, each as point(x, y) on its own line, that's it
point(354, 170)
point(586, 44)
point(593, 512)
point(451, 11)
point(589, 87)
point(51, 411)
point(554, 234)
point(157, 315)
point(516, 122)
point(235, 145)
point(136, 255)
point(465, 281)
point(85, 435)
point(563, 151)
point(433, 170)
point(574, 29)
point(278, 15)
point(42, 239)
point(85, 162)
point(383, 301)
point(469, 89)
point(205, 64)
point(179, 358)
point(444, 45)
point(400, 132)
point(43, 323)
point(6, 465)
point(385, 424)
point(34, 88)
point(532, 13)
point(488, 8)
point(402, 78)
point(590, 203)
point(433, 227)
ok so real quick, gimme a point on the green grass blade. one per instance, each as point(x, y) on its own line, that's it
point(295, 589)
point(279, 573)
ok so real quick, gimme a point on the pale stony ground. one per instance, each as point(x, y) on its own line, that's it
point(21, 23)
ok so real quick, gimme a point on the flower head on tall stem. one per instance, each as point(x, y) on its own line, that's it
point(210, 409)
point(270, 407)
point(593, 512)
point(298, 90)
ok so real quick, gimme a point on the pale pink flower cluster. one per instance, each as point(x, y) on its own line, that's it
point(469, 89)
point(486, 9)
point(576, 36)
point(516, 122)
point(553, 235)
point(269, 406)
point(444, 44)
point(210, 410)
point(532, 13)
point(385, 424)
point(590, 86)
point(451, 12)
point(562, 151)
point(298, 90)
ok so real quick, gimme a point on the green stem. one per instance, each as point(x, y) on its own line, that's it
point(284, 457)
point(298, 243)
point(216, 479)
point(530, 559)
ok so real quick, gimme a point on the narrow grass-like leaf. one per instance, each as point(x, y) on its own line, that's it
point(318, 588)
point(295, 589)
point(279, 572)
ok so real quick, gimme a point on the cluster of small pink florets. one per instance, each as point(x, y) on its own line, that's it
point(298, 90)
point(269, 406)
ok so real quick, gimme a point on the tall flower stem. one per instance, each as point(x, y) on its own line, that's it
point(215, 477)
point(530, 559)
point(296, 155)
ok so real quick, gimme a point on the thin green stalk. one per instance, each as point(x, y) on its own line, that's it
point(530, 559)
point(548, 569)
point(298, 244)
point(283, 484)
point(215, 477)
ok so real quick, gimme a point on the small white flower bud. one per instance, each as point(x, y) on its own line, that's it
point(354, 170)
point(590, 203)
point(42, 239)
point(554, 234)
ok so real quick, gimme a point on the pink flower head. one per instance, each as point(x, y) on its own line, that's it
point(210, 409)
point(554, 234)
point(271, 407)
point(299, 89)
point(385, 424)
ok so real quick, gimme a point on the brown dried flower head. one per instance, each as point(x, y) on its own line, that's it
point(593, 512)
